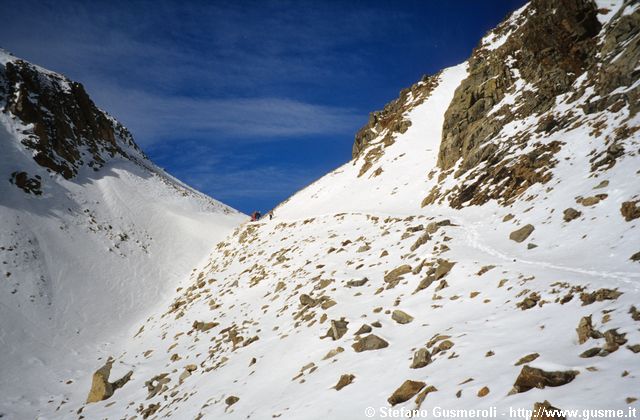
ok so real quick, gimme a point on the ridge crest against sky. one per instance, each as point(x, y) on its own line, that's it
point(247, 101)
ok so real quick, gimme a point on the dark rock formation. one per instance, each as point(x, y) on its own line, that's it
point(69, 131)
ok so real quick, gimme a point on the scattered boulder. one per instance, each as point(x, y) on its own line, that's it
point(423, 239)
point(571, 214)
point(337, 330)
point(230, 400)
point(613, 340)
point(344, 380)
point(527, 359)
point(365, 329)
point(585, 330)
point(421, 358)
point(401, 317)
point(483, 392)
point(521, 234)
point(531, 377)
point(443, 268)
point(204, 326)
point(394, 276)
point(635, 257)
point(30, 185)
point(306, 300)
point(333, 352)
point(405, 392)
point(592, 201)
point(545, 411)
point(157, 385)
point(369, 342)
point(529, 301)
point(630, 210)
point(634, 348)
point(357, 283)
point(423, 394)
point(592, 352)
point(599, 295)
point(101, 388)
point(635, 313)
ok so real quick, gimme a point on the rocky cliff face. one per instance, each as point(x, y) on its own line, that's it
point(548, 53)
point(383, 126)
point(63, 127)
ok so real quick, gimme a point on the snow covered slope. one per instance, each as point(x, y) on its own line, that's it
point(479, 252)
point(92, 234)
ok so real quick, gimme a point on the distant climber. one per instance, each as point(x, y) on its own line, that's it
point(255, 216)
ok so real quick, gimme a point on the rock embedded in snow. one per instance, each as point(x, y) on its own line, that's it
point(368, 343)
point(545, 411)
point(405, 392)
point(101, 388)
point(630, 210)
point(421, 358)
point(338, 329)
point(357, 283)
point(527, 359)
point(344, 380)
point(585, 330)
point(401, 317)
point(531, 377)
point(570, 214)
point(483, 392)
point(599, 296)
point(521, 234)
point(394, 276)
point(364, 329)
point(443, 268)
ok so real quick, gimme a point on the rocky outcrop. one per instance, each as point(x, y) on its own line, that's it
point(549, 45)
point(391, 119)
point(405, 392)
point(531, 377)
point(101, 388)
point(383, 126)
point(69, 131)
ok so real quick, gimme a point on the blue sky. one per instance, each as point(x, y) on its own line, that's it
point(247, 101)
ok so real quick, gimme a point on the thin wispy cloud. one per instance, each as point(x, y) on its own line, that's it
point(156, 118)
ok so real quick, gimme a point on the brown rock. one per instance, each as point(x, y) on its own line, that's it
point(357, 283)
point(527, 359)
point(401, 317)
point(421, 358)
point(337, 330)
point(443, 268)
point(630, 210)
point(230, 400)
point(571, 214)
point(545, 411)
point(101, 388)
point(530, 377)
point(423, 394)
point(369, 342)
point(599, 295)
point(394, 276)
point(365, 329)
point(585, 330)
point(521, 234)
point(483, 392)
point(405, 392)
point(344, 380)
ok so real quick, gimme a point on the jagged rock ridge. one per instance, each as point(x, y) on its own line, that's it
point(66, 129)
